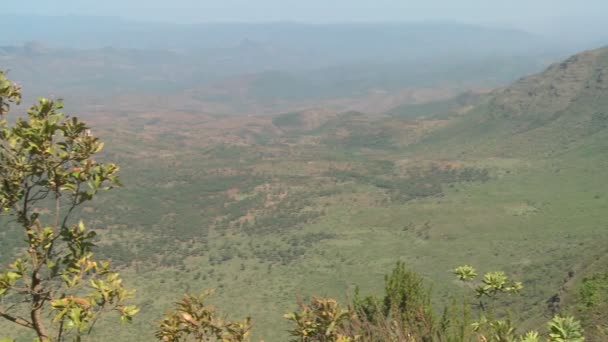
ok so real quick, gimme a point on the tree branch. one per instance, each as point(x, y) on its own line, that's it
point(37, 302)
point(17, 320)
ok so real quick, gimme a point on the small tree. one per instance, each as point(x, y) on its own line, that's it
point(193, 320)
point(56, 288)
point(323, 320)
point(404, 312)
point(493, 284)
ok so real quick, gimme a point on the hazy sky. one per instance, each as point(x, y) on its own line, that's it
point(535, 15)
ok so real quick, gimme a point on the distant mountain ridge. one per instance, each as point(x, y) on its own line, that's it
point(339, 42)
point(241, 80)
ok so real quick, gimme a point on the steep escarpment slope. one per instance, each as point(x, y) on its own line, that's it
point(540, 97)
point(561, 109)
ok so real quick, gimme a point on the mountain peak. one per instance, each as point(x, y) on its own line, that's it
point(542, 95)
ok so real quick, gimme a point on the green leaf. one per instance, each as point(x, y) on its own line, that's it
point(127, 313)
point(13, 276)
point(74, 316)
point(99, 147)
point(69, 187)
point(465, 273)
point(531, 336)
point(59, 303)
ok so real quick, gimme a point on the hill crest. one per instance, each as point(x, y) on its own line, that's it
point(554, 89)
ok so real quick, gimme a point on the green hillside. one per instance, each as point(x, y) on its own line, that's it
point(543, 115)
point(556, 120)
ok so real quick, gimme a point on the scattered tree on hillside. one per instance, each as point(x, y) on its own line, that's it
point(47, 169)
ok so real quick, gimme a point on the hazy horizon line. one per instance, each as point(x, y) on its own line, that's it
point(266, 22)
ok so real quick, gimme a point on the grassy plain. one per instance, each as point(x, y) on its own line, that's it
point(317, 233)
